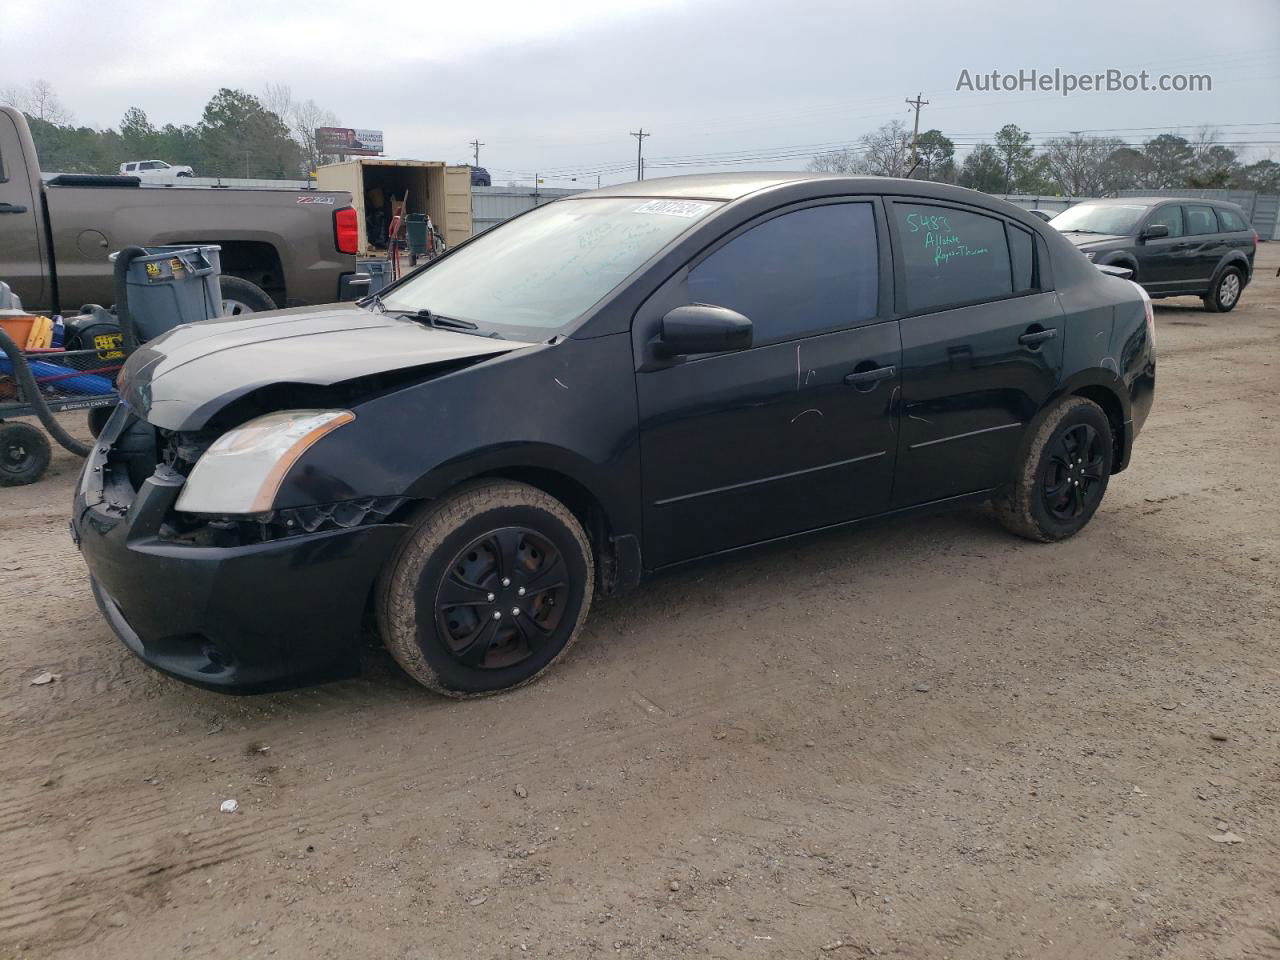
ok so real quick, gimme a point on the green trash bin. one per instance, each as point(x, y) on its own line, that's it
point(416, 225)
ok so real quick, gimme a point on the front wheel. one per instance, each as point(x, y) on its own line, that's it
point(1226, 292)
point(489, 589)
point(1062, 475)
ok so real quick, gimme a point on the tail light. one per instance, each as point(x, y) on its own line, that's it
point(346, 230)
point(1150, 311)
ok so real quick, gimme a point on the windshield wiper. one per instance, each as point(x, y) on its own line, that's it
point(442, 322)
point(1082, 230)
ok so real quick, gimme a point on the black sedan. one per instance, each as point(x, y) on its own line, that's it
point(616, 383)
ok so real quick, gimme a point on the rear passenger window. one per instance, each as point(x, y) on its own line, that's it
point(1170, 217)
point(1200, 220)
point(1230, 220)
point(1020, 252)
point(951, 256)
point(798, 274)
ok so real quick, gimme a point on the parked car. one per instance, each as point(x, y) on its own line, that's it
point(155, 170)
point(480, 177)
point(1045, 215)
point(1174, 247)
point(279, 247)
point(612, 384)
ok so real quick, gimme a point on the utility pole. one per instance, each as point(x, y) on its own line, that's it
point(475, 147)
point(917, 103)
point(640, 152)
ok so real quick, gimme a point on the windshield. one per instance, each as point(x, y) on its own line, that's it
point(546, 268)
point(1112, 218)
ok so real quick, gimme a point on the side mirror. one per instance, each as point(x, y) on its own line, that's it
point(1155, 231)
point(702, 328)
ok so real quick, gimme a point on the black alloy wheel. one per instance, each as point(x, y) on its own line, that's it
point(1061, 473)
point(489, 588)
point(1073, 472)
point(502, 598)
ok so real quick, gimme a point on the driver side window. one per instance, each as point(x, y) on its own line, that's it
point(1170, 217)
point(796, 275)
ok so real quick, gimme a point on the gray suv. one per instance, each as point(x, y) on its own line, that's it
point(1175, 247)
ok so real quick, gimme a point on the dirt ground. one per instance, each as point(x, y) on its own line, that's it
point(924, 740)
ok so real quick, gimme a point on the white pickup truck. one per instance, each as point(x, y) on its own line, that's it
point(154, 170)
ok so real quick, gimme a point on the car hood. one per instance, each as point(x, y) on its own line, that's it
point(1089, 239)
point(181, 379)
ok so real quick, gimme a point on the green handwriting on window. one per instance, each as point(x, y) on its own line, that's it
point(940, 238)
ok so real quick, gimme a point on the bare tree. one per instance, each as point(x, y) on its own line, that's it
point(887, 151)
point(839, 161)
point(38, 100)
point(1081, 165)
point(303, 120)
point(278, 98)
point(301, 117)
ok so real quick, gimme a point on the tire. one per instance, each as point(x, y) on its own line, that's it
point(240, 296)
point(1056, 492)
point(24, 454)
point(460, 549)
point(98, 418)
point(1226, 292)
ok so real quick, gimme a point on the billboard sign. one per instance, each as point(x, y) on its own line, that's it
point(348, 141)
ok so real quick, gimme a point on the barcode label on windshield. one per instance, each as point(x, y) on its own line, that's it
point(674, 208)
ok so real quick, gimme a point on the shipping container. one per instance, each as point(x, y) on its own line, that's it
point(442, 191)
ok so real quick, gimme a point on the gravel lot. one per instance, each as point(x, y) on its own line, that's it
point(928, 739)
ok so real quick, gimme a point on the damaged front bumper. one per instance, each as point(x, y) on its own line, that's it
point(240, 619)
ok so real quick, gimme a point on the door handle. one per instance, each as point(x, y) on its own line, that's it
point(871, 376)
point(12, 208)
point(1033, 337)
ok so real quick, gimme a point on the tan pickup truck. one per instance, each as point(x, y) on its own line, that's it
point(55, 235)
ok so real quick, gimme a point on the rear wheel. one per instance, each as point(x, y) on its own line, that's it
point(24, 454)
point(240, 296)
point(488, 590)
point(1062, 475)
point(1226, 292)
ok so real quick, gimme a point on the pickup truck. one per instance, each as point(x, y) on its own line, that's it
point(157, 169)
point(297, 245)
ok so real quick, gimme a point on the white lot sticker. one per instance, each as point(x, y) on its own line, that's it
point(674, 208)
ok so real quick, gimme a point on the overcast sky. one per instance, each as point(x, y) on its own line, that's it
point(555, 87)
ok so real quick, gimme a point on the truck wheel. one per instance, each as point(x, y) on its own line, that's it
point(1062, 475)
point(24, 454)
point(1226, 292)
point(240, 296)
point(488, 590)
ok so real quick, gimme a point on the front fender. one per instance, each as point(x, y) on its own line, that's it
point(567, 408)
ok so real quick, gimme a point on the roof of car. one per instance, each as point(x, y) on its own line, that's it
point(732, 186)
point(1152, 201)
point(706, 186)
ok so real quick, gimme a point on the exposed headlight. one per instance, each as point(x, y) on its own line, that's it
point(1089, 254)
point(241, 472)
